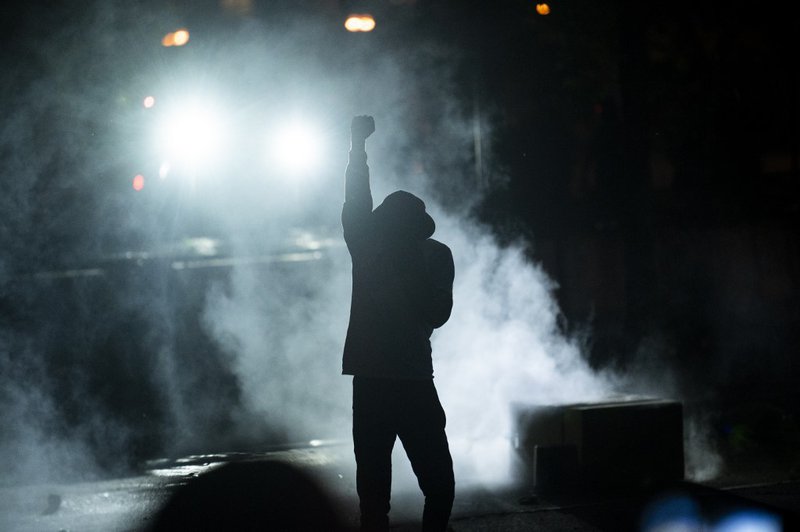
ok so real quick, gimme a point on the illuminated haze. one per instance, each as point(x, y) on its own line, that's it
point(265, 366)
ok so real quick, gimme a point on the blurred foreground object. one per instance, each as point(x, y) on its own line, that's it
point(251, 495)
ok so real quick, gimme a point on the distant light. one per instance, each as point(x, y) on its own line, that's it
point(181, 37)
point(138, 182)
point(193, 135)
point(149, 102)
point(296, 148)
point(543, 9)
point(176, 38)
point(356, 23)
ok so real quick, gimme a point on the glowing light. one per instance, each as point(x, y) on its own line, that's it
point(181, 37)
point(296, 148)
point(138, 182)
point(356, 23)
point(192, 135)
point(750, 521)
point(176, 38)
point(682, 512)
point(149, 102)
point(543, 9)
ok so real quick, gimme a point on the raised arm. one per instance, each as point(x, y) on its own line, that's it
point(360, 128)
point(357, 194)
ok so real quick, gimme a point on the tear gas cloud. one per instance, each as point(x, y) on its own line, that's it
point(264, 362)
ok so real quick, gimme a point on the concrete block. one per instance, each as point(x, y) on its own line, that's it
point(627, 443)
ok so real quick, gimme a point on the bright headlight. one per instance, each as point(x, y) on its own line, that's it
point(296, 148)
point(193, 135)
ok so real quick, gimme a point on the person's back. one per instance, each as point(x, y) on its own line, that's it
point(402, 291)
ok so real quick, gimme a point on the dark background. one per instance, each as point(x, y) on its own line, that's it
point(667, 200)
point(646, 153)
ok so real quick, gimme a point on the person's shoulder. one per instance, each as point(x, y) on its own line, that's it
point(434, 244)
point(435, 248)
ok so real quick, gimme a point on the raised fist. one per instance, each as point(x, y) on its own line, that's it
point(362, 127)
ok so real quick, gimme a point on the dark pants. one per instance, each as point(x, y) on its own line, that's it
point(384, 409)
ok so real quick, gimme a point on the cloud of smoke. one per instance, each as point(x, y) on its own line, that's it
point(33, 443)
point(502, 346)
point(284, 327)
point(264, 357)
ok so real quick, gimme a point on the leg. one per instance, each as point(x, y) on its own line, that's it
point(373, 440)
point(425, 441)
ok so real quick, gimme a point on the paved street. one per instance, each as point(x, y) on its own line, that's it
point(131, 504)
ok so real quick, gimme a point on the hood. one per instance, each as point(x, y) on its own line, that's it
point(403, 215)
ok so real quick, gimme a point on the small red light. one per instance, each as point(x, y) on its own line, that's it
point(138, 182)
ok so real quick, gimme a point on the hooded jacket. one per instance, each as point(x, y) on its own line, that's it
point(402, 281)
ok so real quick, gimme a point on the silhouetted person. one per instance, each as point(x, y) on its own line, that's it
point(402, 291)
